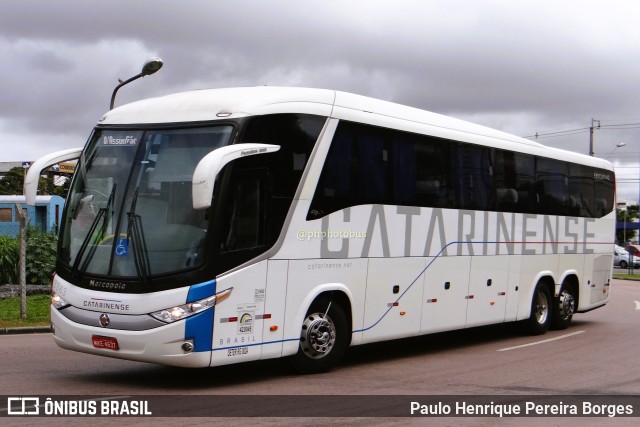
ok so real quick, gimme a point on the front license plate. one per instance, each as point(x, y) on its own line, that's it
point(109, 343)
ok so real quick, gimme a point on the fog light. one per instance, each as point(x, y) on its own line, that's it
point(187, 347)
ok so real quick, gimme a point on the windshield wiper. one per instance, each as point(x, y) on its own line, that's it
point(136, 233)
point(85, 243)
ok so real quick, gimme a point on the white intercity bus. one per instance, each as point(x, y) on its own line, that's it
point(222, 226)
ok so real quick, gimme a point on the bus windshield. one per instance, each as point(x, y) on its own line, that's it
point(130, 212)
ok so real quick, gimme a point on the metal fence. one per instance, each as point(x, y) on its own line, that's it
point(10, 229)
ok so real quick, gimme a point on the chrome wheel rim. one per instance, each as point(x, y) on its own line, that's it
point(567, 305)
point(542, 307)
point(318, 335)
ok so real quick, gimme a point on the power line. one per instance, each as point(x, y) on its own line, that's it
point(622, 126)
point(558, 133)
point(583, 130)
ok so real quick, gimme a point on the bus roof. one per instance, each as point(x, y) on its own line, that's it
point(215, 104)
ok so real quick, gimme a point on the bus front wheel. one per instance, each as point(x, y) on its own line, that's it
point(323, 338)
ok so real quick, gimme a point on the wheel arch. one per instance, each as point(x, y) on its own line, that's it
point(525, 304)
point(539, 317)
point(336, 292)
point(322, 341)
point(569, 279)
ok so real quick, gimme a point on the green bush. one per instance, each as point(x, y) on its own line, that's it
point(9, 255)
point(41, 256)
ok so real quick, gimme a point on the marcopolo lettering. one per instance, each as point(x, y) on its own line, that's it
point(107, 285)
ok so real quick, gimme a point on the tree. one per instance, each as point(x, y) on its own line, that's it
point(626, 215)
point(12, 182)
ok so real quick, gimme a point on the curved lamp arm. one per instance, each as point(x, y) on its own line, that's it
point(149, 67)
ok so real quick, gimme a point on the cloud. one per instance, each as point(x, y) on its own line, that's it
point(524, 67)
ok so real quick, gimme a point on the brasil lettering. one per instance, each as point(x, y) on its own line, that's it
point(414, 231)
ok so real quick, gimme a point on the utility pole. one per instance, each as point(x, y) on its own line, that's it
point(593, 121)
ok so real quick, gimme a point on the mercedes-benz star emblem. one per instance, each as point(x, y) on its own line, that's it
point(104, 320)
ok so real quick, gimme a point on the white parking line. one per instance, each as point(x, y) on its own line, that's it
point(542, 341)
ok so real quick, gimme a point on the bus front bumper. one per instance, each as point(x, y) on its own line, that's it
point(164, 345)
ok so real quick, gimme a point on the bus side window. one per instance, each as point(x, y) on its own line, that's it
point(338, 167)
point(581, 200)
point(373, 159)
point(434, 178)
point(246, 219)
point(473, 176)
point(403, 161)
point(604, 190)
point(553, 186)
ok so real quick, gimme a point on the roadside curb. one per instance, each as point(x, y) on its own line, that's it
point(25, 330)
point(627, 278)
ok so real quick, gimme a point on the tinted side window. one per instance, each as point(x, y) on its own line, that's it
point(604, 192)
point(515, 175)
point(434, 178)
point(474, 176)
point(357, 170)
point(372, 165)
point(581, 192)
point(552, 183)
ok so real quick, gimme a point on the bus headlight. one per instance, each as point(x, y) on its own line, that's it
point(183, 311)
point(57, 301)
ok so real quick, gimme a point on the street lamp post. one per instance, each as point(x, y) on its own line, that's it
point(618, 145)
point(149, 67)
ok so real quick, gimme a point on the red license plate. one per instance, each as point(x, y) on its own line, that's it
point(109, 343)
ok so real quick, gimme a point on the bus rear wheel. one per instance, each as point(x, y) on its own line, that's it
point(563, 307)
point(323, 338)
point(540, 319)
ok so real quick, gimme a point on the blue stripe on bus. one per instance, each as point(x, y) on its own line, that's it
point(199, 328)
point(201, 290)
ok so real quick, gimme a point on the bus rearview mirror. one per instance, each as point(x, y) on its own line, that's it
point(208, 168)
point(32, 177)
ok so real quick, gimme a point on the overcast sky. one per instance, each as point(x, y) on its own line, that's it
point(525, 67)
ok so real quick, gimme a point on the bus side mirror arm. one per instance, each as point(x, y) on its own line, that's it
point(30, 187)
point(208, 168)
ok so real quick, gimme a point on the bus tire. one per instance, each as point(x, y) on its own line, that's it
point(563, 307)
point(541, 312)
point(324, 337)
